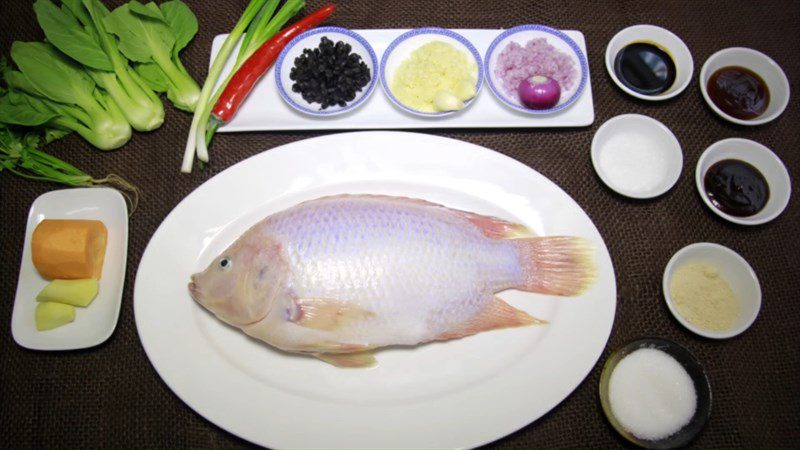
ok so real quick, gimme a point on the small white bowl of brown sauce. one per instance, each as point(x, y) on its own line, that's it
point(744, 86)
point(743, 181)
point(649, 62)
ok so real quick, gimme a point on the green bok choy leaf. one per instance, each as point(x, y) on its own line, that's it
point(152, 37)
point(77, 30)
point(50, 84)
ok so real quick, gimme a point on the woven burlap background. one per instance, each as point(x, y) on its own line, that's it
point(110, 396)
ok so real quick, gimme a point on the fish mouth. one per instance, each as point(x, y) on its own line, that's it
point(196, 293)
point(194, 290)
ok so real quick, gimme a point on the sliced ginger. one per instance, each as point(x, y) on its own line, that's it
point(70, 292)
point(51, 315)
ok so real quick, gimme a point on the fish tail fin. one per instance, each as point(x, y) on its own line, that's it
point(557, 265)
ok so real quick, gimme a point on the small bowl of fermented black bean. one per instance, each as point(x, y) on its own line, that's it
point(326, 71)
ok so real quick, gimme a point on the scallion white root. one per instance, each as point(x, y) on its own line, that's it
point(203, 110)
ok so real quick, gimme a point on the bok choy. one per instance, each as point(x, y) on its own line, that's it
point(51, 89)
point(152, 36)
point(77, 30)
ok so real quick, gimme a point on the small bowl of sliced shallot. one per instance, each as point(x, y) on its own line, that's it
point(535, 69)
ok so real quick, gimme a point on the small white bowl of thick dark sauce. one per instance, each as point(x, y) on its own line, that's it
point(757, 156)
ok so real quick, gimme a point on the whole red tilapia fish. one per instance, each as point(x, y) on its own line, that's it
point(338, 276)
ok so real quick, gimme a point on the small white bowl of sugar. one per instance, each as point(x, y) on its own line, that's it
point(655, 393)
point(637, 156)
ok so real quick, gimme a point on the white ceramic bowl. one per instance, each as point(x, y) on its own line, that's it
point(761, 64)
point(618, 167)
point(760, 157)
point(401, 48)
point(734, 269)
point(666, 41)
point(311, 39)
point(521, 35)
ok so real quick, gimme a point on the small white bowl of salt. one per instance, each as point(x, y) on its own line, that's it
point(655, 393)
point(637, 156)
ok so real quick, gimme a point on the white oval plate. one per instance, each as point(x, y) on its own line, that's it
point(434, 395)
point(95, 323)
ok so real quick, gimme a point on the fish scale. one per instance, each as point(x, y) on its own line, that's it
point(424, 253)
point(347, 273)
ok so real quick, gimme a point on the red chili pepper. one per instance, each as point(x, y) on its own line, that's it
point(257, 64)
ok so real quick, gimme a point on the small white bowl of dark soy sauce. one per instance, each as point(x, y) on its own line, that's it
point(649, 62)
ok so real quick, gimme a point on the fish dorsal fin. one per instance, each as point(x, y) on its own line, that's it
point(325, 314)
point(492, 227)
point(349, 360)
point(496, 228)
point(497, 314)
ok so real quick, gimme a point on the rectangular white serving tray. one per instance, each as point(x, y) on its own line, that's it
point(95, 323)
point(264, 110)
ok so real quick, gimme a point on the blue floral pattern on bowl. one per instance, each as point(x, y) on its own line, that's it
point(429, 31)
point(335, 34)
point(584, 68)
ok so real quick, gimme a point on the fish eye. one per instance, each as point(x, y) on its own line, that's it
point(225, 263)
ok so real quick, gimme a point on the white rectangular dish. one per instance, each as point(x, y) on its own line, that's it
point(95, 323)
point(264, 109)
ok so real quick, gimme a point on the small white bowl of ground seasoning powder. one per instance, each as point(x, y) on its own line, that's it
point(655, 393)
point(712, 290)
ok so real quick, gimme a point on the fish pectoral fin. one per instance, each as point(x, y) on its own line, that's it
point(349, 360)
point(497, 314)
point(326, 314)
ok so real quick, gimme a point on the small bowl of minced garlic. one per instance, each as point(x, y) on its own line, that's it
point(711, 290)
point(431, 72)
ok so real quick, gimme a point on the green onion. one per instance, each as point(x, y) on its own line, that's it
point(259, 28)
point(203, 108)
